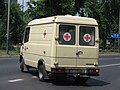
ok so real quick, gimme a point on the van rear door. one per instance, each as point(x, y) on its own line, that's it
point(66, 45)
point(87, 54)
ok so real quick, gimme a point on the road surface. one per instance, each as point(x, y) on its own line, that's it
point(12, 79)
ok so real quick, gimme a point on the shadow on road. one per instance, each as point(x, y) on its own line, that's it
point(94, 82)
point(71, 82)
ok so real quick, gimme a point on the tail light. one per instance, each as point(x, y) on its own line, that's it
point(93, 72)
point(57, 70)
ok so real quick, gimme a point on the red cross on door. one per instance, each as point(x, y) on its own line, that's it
point(67, 36)
point(87, 38)
point(44, 33)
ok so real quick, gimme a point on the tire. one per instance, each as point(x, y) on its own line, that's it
point(23, 67)
point(41, 71)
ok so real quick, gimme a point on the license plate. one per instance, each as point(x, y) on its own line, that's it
point(73, 71)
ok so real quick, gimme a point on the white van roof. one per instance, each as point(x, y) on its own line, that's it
point(65, 19)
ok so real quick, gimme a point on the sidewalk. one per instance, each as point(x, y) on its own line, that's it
point(3, 54)
point(109, 54)
point(8, 56)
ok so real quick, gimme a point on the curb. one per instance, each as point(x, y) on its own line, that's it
point(9, 56)
point(114, 54)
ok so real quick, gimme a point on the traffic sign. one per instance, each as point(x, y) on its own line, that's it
point(115, 35)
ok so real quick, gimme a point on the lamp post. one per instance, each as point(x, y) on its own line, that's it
point(22, 5)
point(8, 24)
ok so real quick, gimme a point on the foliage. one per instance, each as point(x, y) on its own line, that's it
point(12, 53)
point(1, 8)
point(104, 11)
point(16, 26)
point(46, 8)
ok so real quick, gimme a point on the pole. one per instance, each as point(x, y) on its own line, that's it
point(22, 5)
point(22, 14)
point(119, 33)
point(8, 23)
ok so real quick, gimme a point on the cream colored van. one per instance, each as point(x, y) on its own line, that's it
point(61, 46)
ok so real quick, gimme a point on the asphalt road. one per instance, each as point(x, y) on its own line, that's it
point(12, 79)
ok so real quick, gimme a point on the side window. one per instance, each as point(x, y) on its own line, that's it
point(26, 34)
point(66, 34)
point(87, 36)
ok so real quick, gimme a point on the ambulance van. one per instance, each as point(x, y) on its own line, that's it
point(61, 46)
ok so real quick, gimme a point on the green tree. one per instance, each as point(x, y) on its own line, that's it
point(1, 8)
point(59, 7)
point(80, 7)
point(106, 13)
point(16, 26)
point(46, 8)
point(95, 9)
point(2, 22)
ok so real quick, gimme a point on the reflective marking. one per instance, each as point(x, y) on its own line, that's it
point(34, 77)
point(15, 80)
point(110, 65)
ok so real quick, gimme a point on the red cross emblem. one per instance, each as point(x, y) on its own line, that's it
point(44, 33)
point(87, 38)
point(67, 36)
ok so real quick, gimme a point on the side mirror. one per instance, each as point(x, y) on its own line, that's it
point(20, 44)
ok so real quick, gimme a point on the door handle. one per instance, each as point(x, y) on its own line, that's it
point(79, 52)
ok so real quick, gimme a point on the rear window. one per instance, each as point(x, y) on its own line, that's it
point(87, 36)
point(66, 34)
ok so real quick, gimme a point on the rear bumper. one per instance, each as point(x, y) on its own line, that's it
point(85, 72)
